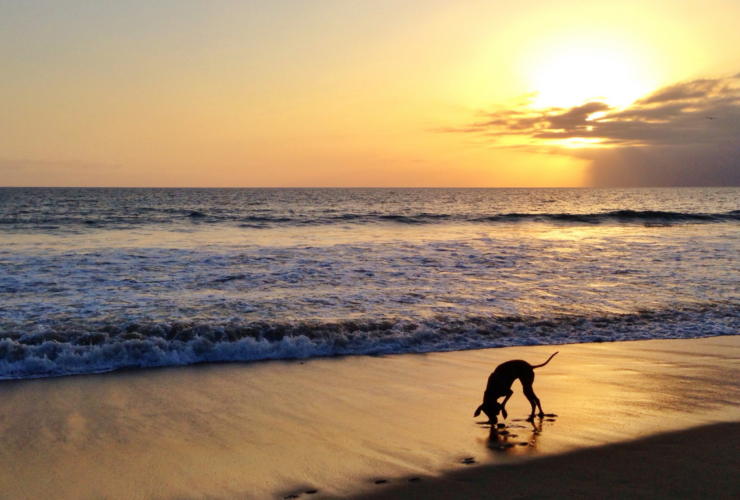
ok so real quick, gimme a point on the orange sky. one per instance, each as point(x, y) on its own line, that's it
point(331, 93)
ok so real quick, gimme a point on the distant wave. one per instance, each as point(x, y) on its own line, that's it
point(111, 220)
point(620, 216)
point(109, 347)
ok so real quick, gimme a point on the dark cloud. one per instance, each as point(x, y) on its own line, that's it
point(664, 166)
point(686, 134)
point(697, 89)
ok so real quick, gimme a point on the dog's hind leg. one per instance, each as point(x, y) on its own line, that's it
point(539, 405)
point(529, 393)
point(533, 400)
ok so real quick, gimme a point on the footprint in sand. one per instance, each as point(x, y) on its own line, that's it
point(311, 492)
point(523, 444)
point(469, 461)
point(414, 480)
point(381, 481)
point(550, 419)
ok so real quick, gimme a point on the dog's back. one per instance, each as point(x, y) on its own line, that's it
point(506, 373)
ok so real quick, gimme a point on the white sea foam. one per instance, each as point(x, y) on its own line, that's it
point(46, 355)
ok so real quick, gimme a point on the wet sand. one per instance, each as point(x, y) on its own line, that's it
point(276, 429)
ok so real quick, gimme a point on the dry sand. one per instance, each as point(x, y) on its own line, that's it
point(269, 430)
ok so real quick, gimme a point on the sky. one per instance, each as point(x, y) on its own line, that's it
point(330, 93)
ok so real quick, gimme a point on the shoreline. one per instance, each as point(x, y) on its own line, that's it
point(266, 430)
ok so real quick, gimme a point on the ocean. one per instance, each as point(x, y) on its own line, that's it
point(94, 280)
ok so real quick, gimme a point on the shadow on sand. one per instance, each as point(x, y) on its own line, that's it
point(691, 464)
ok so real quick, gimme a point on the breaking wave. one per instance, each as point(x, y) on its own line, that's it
point(85, 210)
point(113, 221)
point(104, 348)
point(621, 216)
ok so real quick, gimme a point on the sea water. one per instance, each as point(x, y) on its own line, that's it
point(94, 280)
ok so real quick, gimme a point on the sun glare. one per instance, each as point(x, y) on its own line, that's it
point(580, 142)
point(571, 76)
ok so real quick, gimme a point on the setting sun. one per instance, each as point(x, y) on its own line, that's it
point(571, 75)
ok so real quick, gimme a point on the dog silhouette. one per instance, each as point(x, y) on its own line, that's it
point(499, 385)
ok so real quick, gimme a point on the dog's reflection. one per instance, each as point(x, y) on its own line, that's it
point(522, 436)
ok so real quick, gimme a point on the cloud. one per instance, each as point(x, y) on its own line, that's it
point(680, 135)
point(697, 89)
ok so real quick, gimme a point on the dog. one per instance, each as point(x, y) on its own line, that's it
point(499, 385)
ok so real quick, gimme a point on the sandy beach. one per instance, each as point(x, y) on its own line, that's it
point(339, 425)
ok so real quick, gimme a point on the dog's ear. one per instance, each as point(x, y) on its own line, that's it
point(477, 412)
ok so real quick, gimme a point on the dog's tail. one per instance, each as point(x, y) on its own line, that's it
point(543, 364)
point(477, 412)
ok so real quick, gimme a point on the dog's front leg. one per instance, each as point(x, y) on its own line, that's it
point(503, 405)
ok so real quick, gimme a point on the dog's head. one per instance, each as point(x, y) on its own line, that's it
point(491, 409)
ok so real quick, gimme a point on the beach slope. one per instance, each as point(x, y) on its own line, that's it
point(342, 426)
